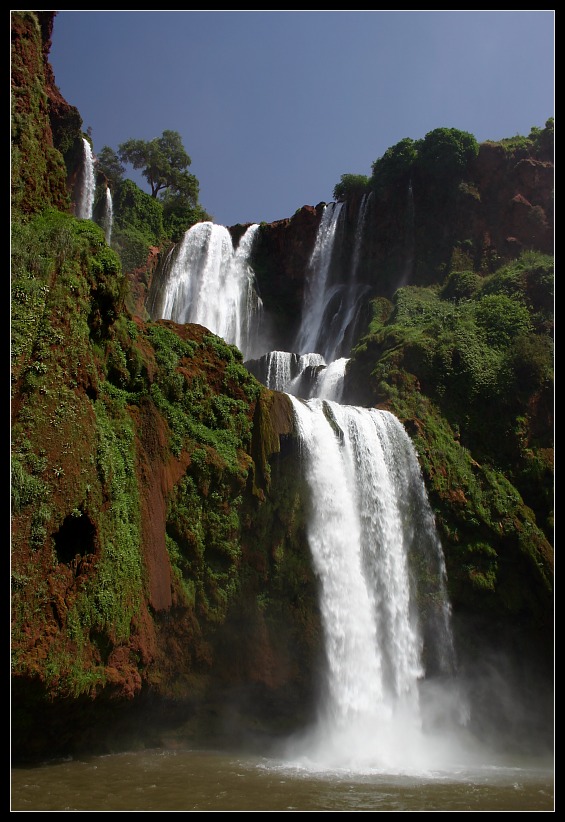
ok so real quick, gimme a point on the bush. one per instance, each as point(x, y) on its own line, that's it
point(351, 185)
point(134, 210)
point(502, 318)
point(461, 285)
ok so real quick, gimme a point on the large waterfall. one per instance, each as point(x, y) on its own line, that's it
point(86, 184)
point(207, 281)
point(369, 525)
point(371, 532)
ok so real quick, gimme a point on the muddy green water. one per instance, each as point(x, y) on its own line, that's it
point(197, 780)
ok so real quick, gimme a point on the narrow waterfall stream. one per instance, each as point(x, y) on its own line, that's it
point(86, 184)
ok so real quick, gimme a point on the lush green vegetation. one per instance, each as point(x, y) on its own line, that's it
point(38, 173)
point(539, 143)
point(442, 158)
point(480, 350)
point(163, 162)
point(69, 331)
point(107, 409)
point(142, 220)
point(67, 291)
point(350, 185)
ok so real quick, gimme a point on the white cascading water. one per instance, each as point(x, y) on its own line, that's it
point(331, 308)
point(330, 380)
point(359, 234)
point(343, 301)
point(212, 284)
point(108, 216)
point(308, 336)
point(328, 317)
point(304, 375)
point(368, 513)
point(86, 184)
point(370, 524)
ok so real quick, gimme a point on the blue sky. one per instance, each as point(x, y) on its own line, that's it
point(273, 107)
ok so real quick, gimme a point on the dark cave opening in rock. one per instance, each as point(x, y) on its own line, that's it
point(76, 537)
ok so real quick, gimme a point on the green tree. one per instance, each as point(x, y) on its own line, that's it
point(445, 153)
point(544, 139)
point(163, 162)
point(349, 185)
point(394, 168)
point(108, 162)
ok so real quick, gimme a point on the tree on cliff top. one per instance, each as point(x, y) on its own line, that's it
point(163, 162)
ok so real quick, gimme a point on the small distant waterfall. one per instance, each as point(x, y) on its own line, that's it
point(409, 241)
point(368, 517)
point(304, 375)
point(86, 184)
point(345, 301)
point(208, 282)
point(308, 337)
point(332, 307)
point(359, 232)
point(108, 215)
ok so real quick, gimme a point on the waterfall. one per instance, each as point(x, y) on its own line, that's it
point(304, 375)
point(210, 283)
point(332, 305)
point(315, 303)
point(409, 240)
point(346, 301)
point(86, 184)
point(108, 215)
point(369, 519)
point(329, 381)
point(359, 231)
point(371, 532)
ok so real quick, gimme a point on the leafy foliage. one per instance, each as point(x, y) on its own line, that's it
point(108, 162)
point(539, 143)
point(477, 347)
point(180, 212)
point(134, 209)
point(394, 169)
point(349, 185)
point(444, 155)
point(163, 162)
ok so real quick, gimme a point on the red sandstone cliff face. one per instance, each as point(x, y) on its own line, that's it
point(515, 211)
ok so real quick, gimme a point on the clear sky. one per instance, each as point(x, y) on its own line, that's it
point(273, 107)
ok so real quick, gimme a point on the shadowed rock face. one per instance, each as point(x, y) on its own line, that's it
point(217, 625)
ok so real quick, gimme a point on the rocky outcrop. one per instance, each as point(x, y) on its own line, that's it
point(38, 171)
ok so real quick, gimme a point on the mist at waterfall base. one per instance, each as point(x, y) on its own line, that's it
point(392, 729)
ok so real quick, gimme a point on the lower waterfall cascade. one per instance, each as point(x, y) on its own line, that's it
point(368, 513)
